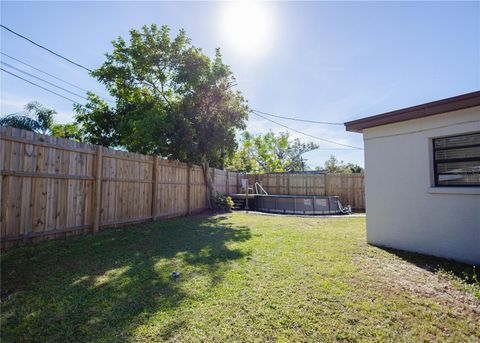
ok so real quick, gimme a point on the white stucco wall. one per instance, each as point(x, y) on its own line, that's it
point(404, 210)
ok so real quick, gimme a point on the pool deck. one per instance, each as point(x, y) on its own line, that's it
point(242, 196)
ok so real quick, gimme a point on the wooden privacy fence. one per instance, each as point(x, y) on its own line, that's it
point(52, 187)
point(349, 187)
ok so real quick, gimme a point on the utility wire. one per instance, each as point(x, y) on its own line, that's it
point(297, 119)
point(47, 49)
point(43, 72)
point(55, 77)
point(40, 79)
point(308, 135)
point(75, 102)
point(256, 112)
point(33, 83)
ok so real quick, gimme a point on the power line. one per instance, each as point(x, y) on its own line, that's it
point(75, 102)
point(40, 79)
point(47, 49)
point(33, 83)
point(308, 135)
point(55, 77)
point(43, 72)
point(297, 119)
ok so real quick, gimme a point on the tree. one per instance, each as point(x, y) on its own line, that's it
point(70, 131)
point(40, 119)
point(270, 153)
point(333, 165)
point(354, 168)
point(171, 100)
point(34, 118)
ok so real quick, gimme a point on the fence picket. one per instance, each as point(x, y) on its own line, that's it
point(51, 187)
point(349, 187)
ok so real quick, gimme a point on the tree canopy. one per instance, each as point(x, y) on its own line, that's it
point(35, 117)
point(69, 130)
point(170, 99)
point(269, 152)
point(40, 119)
point(333, 165)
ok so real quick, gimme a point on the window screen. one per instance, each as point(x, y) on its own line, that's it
point(457, 160)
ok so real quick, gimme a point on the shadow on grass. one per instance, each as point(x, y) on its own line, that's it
point(103, 287)
point(469, 273)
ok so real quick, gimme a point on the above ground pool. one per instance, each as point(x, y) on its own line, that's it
point(300, 204)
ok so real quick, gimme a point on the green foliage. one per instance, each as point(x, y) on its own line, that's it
point(333, 165)
point(70, 131)
point(270, 153)
point(20, 121)
point(43, 115)
point(40, 119)
point(97, 121)
point(223, 203)
point(171, 99)
point(354, 168)
point(35, 117)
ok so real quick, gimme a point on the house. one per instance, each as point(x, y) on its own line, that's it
point(422, 177)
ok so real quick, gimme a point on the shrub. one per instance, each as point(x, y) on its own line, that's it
point(223, 203)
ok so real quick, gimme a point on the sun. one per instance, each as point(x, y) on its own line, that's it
point(247, 27)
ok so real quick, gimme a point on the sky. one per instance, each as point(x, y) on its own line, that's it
point(323, 61)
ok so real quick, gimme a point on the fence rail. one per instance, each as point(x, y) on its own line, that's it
point(52, 187)
point(349, 187)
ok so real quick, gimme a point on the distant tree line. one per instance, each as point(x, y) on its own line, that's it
point(267, 153)
point(333, 165)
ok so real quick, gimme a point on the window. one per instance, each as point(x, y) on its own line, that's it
point(456, 160)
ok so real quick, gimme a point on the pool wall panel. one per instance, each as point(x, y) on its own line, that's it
point(292, 204)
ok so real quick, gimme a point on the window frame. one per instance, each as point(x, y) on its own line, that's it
point(453, 160)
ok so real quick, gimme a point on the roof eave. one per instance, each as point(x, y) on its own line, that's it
point(415, 112)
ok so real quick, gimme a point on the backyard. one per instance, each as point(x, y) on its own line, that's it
point(243, 277)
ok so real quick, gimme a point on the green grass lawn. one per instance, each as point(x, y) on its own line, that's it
point(244, 277)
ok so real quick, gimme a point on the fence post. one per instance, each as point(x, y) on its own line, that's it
point(213, 183)
point(288, 184)
point(238, 182)
point(227, 190)
point(98, 190)
point(154, 188)
point(327, 191)
point(189, 210)
point(246, 195)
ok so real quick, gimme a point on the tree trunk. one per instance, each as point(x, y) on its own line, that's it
point(209, 184)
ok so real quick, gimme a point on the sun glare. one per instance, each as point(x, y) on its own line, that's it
point(247, 27)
